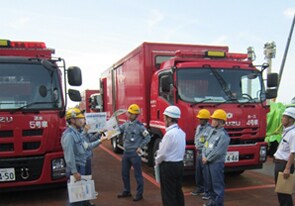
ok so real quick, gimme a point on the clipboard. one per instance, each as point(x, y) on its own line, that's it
point(285, 186)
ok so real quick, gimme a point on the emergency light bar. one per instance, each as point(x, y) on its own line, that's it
point(210, 54)
point(22, 44)
point(219, 54)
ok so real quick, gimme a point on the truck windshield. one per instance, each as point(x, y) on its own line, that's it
point(29, 86)
point(220, 85)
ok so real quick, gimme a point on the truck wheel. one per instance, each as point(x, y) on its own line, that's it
point(272, 148)
point(115, 147)
point(155, 148)
point(236, 173)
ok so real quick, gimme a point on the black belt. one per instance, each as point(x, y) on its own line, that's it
point(279, 161)
point(170, 162)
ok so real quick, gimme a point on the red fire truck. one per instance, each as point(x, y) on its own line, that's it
point(32, 109)
point(193, 77)
point(89, 101)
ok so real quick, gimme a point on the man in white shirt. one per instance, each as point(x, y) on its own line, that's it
point(170, 159)
point(285, 154)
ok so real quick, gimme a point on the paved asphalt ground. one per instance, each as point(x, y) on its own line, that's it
point(253, 187)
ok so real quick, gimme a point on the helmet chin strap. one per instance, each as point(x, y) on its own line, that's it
point(219, 125)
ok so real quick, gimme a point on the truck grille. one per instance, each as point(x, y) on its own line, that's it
point(6, 147)
point(33, 165)
point(31, 145)
point(243, 135)
point(29, 140)
point(31, 132)
point(8, 133)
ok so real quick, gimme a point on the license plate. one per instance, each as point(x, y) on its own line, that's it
point(232, 157)
point(7, 174)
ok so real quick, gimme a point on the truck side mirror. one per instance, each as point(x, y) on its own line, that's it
point(272, 80)
point(166, 81)
point(74, 76)
point(74, 95)
point(271, 93)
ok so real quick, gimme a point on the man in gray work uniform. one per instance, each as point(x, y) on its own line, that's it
point(135, 136)
point(214, 153)
point(202, 132)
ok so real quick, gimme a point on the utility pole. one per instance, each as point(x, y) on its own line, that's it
point(286, 52)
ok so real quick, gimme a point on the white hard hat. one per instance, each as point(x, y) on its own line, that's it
point(290, 112)
point(173, 112)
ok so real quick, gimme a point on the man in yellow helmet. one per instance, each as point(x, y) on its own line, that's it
point(135, 136)
point(214, 153)
point(75, 146)
point(202, 132)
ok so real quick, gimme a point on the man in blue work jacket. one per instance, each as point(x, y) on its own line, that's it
point(135, 136)
point(202, 132)
point(75, 147)
point(213, 154)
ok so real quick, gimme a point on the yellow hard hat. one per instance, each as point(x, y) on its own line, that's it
point(74, 113)
point(219, 114)
point(203, 114)
point(134, 109)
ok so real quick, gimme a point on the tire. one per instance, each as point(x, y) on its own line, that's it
point(115, 147)
point(272, 148)
point(236, 173)
point(153, 154)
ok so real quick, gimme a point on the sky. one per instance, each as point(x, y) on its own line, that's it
point(94, 34)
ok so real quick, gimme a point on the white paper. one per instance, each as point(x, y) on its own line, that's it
point(119, 112)
point(96, 121)
point(84, 177)
point(112, 128)
point(81, 190)
point(157, 173)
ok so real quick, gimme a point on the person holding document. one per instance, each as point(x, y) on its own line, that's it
point(285, 154)
point(75, 147)
point(135, 136)
point(170, 159)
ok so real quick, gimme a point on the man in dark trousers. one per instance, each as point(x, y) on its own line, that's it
point(135, 137)
point(75, 147)
point(285, 154)
point(213, 155)
point(202, 132)
point(170, 159)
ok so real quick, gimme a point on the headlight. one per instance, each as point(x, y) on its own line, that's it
point(262, 154)
point(58, 168)
point(188, 159)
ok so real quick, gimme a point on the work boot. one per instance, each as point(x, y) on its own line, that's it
point(197, 192)
point(138, 198)
point(88, 203)
point(124, 194)
point(210, 203)
point(206, 196)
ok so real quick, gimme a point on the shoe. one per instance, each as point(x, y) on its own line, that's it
point(91, 204)
point(197, 192)
point(88, 203)
point(124, 194)
point(206, 196)
point(137, 198)
point(210, 203)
